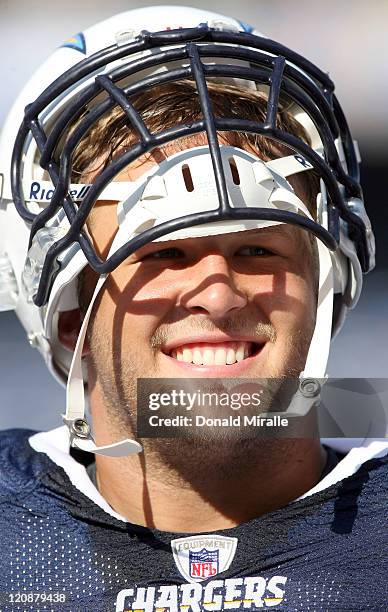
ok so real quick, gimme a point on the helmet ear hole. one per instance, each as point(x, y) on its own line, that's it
point(69, 325)
point(234, 171)
point(186, 172)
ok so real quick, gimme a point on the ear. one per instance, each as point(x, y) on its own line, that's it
point(69, 325)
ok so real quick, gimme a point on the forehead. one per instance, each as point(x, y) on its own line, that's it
point(148, 160)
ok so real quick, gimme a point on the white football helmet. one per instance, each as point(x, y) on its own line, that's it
point(43, 242)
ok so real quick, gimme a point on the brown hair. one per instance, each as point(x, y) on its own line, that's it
point(177, 103)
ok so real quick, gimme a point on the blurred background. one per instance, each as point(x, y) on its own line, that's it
point(347, 39)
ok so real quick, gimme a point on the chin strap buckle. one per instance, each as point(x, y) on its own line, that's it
point(81, 438)
point(310, 387)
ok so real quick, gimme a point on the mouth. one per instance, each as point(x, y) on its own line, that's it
point(205, 356)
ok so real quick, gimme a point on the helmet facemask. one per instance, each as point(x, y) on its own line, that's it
point(201, 55)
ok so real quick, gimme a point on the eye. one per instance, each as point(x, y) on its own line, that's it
point(253, 251)
point(170, 253)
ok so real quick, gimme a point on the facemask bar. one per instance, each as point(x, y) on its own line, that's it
point(197, 70)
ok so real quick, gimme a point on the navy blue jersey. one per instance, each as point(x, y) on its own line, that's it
point(61, 551)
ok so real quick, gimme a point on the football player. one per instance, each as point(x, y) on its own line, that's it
point(181, 201)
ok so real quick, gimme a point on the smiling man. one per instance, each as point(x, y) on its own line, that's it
point(193, 211)
point(239, 304)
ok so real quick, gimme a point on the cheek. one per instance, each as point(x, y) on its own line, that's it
point(133, 305)
point(102, 226)
point(287, 299)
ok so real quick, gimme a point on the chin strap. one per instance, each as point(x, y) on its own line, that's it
point(314, 375)
point(79, 429)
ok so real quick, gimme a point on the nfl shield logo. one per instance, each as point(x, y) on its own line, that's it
point(203, 563)
point(200, 557)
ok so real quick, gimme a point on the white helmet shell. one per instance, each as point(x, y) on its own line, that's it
point(40, 322)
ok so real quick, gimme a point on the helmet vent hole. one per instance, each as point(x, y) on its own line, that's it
point(187, 178)
point(234, 171)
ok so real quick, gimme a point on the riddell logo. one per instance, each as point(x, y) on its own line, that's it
point(40, 191)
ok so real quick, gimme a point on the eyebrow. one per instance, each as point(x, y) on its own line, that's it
point(279, 230)
point(283, 231)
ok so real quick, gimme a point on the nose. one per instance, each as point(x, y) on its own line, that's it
point(214, 291)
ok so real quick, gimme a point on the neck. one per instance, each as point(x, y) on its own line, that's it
point(182, 486)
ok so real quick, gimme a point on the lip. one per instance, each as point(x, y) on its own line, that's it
point(235, 369)
point(211, 339)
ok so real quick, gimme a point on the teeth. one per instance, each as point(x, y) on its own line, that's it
point(240, 353)
point(187, 355)
point(197, 357)
point(220, 357)
point(208, 356)
point(230, 356)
